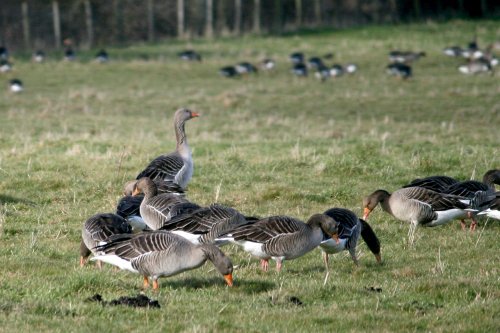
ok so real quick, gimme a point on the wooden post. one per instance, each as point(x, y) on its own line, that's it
point(278, 16)
point(26, 25)
point(317, 12)
point(117, 21)
point(298, 13)
point(151, 21)
point(209, 20)
point(256, 16)
point(237, 17)
point(89, 23)
point(57, 23)
point(180, 18)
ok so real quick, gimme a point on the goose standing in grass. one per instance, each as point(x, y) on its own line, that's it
point(206, 224)
point(97, 229)
point(69, 54)
point(322, 73)
point(299, 70)
point(5, 66)
point(405, 57)
point(246, 68)
point(189, 55)
point(102, 56)
point(161, 253)
point(315, 63)
point(4, 53)
point(268, 64)
point(418, 206)
point(38, 56)
point(16, 86)
point(453, 51)
point(177, 166)
point(157, 209)
point(283, 238)
point(229, 71)
point(336, 70)
point(297, 58)
point(475, 67)
point(350, 227)
point(399, 70)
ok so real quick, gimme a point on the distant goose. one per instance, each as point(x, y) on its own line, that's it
point(297, 58)
point(475, 67)
point(38, 56)
point(315, 63)
point(157, 209)
point(418, 206)
point(453, 51)
point(178, 166)
point(16, 86)
point(351, 68)
point(405, 57)
point(268, 64)
point(97, 229)
point(161, 253)
point(399, 70)
point(299, 70)
point(283, 238)
point(336, 70)
point(102, 56)
point(246, 68)
point(189, 55)
point(434, 183)
point(322, 73)
point(5, 66)
point(69, 54)
point(229, 71)
point(206, 224)
point(4, 53)
point(350, 227)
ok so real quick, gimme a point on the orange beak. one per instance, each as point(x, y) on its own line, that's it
point(366, 212)
point(194, 114)
point(229, 279)
point(136, 192)
point(335, 237)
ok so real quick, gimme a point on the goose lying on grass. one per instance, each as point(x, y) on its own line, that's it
point(161, 253)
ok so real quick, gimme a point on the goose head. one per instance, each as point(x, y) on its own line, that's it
point(145, 185)
point(183, 115)
point(371, 201)
point(221, 262)
point(492, 177)
point(327, 224)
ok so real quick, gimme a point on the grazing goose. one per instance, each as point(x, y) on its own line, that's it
point(38, 56)
point(434, 183)
point(189, 55)
point(97, 229)
point(5, 66)
point(323, 73)
point(229, 71)
point(16, 86)
point(299, 70)
point(476, 67)
point(283, 238)
point(69, 54)
point(268, 64)
point(453, 51)
point(176, 166)
point(161, 253)
point(4, 53)
point(350, 227)
point(205, 225)
point(418, 206)
point(157, 209)
point(102, 56)
point(399, 70)
point(336, 70)
point(246, 68)
point(297, 58)
point(315, 63)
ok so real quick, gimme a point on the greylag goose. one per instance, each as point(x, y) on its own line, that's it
point(4, 52)
point(157, 209)
point(315, 63)
point(475, 67)
point(102, 56)
point(161, 253)
point(405, 57)
point(299, 70)
point(189, 55)
point(418, 206)
point(38, 56)
point(297, 58)
point(229, 71)
point(206, 224)
point(246, 68)
point(350, 227)
point(16, 86)
point(5, 66)
point(399, 70)
point(268, 64)
point(283, 238)
point(434, 183)
point(177, 166)
point(97, 229)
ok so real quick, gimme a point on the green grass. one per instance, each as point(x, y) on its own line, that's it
point(266, 145)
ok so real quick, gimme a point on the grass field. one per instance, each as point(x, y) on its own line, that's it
point(266, 145)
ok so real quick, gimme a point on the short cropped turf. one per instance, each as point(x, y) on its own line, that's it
point(268, 144)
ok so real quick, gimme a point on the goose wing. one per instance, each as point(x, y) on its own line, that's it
point(434, 183)
point(346, 219)
point(163, 167)
point(438, 201)
point(101, 226)
point(268, 228)
point(467, 188)
point(129, 206)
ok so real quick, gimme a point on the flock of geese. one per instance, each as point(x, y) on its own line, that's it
point(156, 231)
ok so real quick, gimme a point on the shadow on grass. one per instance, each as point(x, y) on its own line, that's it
point(246, 286)
point(8, 199)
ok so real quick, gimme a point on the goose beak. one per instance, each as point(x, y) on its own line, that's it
point(194, 114)
point(335, 237)
point(379, 258)
point(229, 279)
point(366, 212)
point(135, 192)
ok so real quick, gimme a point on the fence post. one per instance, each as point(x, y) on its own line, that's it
point(298, 13)
point(151, 20)
point(256, 16)
point(180, 18)
point(57, 23)
point(89, 23)
point(317, 12)
point(26, 25)
point(209, 20)
point(237, 17)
